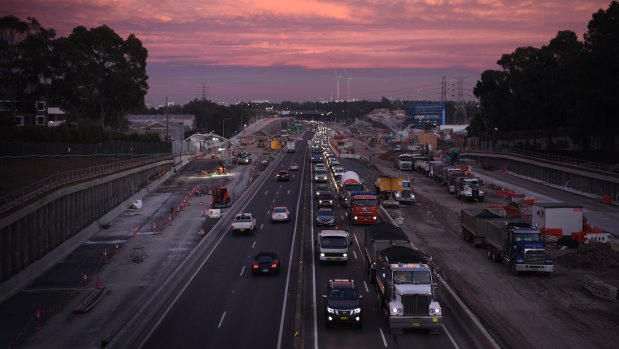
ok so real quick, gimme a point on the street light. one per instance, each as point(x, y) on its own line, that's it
point(223, 123)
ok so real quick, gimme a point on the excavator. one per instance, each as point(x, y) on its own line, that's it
point(220, 196)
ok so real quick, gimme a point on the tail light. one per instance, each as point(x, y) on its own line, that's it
point(273, 266)
point(255, 266)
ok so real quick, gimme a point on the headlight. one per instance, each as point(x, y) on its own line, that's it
point(395, 311)
point(374, 217)
point(330, 310)
point(345, 254)
point(435, 311)
point(322, 255)
point(356, 311)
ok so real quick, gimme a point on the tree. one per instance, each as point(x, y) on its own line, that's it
point(102, 71)
point(25, 48)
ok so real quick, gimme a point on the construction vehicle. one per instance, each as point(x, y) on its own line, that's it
point(379, 237)
point(276, 144)
point(291, 147)
point(468, 189)
point(473, 223)
point(350, 182)
point(244, 158)
point(363, 208)
point(220, 197)
point(450, 178)
point(397, 187)
point(518, 245)
point(333, 245)
point(404, 162)
point(407, 287)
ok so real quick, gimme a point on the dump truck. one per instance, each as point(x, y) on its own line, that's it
point(407, 289)
point(474, 224)
point(363, 208)
point(469, 189)
point(379, 237)
point(404, 162)
point(518, 245)
point(452, 179)
point(397, 187)
point(350, 182)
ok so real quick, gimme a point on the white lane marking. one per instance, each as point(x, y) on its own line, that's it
point(193, 276)
point(261, 225)
point(222, 320)
point(354, 254)
point(343, 218)
point(383, 335)
point(266, 192)
point(366, 287)
point(242, 270)
point(254, 244)
point(292, 245)
point(450, 337)
point(288, 192)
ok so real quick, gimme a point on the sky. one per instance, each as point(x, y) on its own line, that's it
point(316, 50)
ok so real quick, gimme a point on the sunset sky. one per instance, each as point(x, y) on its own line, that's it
point(243, 50)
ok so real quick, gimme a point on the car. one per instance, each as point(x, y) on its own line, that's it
point(325, 217)
point(280, 214)
point(342, 302)
point(326, 199)
point(283, 176)
point(321, 188)
point(293, 167)
point(265, 263)
point(334, 163)
point(320, 176)
point(337, 170)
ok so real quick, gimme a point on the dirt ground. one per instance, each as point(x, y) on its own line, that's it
point(525, 311)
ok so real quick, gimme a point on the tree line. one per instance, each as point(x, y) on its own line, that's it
point(565, 84)
point(92, 73)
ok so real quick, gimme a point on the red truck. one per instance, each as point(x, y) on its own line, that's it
point(363, 208)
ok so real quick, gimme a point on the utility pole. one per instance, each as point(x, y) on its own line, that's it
point(203, 92)
point(460, 105)
point(444, 89)
point(167, 137)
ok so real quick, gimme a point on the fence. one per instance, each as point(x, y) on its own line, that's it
point(119, 148)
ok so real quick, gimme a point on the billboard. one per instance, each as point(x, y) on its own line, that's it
point(425, 114)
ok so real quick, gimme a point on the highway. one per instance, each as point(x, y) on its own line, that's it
point(224, 305)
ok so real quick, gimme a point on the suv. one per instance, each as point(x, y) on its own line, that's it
point(342, 302)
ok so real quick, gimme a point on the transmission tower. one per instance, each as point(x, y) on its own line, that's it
point(444, 89)
point(203, 92)
point(460, 112)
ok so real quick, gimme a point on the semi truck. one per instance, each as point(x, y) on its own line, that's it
point(518, 245)
point(379, 237)
point(397, 187)
point(291, 147)
point(405, 280)
point(469, 189)
point(333, 245)
point(474, 224)
point(363, 208)
point(452, 179)
point(350, 182)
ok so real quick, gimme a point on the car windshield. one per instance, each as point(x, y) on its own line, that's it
point(279, 210)
point(325, 213)
point(346, 293)
point(411, 277)
point(264, 258)
point(333, 242)
point(366, 202)
point(321, 172)
point(406, 158)
point(526, 237)
point(326, 196)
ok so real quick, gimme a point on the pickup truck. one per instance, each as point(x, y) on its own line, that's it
point(243, 222)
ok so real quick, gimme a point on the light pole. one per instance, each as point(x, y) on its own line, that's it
point(223, 124)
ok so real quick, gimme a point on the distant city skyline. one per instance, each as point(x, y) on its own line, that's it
point(297, 50)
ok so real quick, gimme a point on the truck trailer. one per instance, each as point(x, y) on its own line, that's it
point(474, 224)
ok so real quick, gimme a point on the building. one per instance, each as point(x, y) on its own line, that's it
point(176, 126)
point(425, 114)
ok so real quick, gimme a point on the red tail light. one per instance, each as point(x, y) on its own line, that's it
point(255, 266)
point(273, 266)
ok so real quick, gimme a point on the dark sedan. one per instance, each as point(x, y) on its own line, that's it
point(326, 199)
point(265, 263)
point(283, 176)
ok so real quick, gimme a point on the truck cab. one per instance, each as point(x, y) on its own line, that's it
point(333, 245)
point(363, 208)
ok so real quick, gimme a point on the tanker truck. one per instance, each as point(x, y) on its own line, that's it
point(350, 182)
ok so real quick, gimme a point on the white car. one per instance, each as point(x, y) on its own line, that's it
point(319, 167)
point(280, 214)
point(294, 167)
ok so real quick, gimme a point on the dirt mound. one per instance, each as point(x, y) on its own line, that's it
point(389, 155)
point(593, 255)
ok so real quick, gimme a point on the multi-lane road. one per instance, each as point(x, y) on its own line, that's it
point(222, 305)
